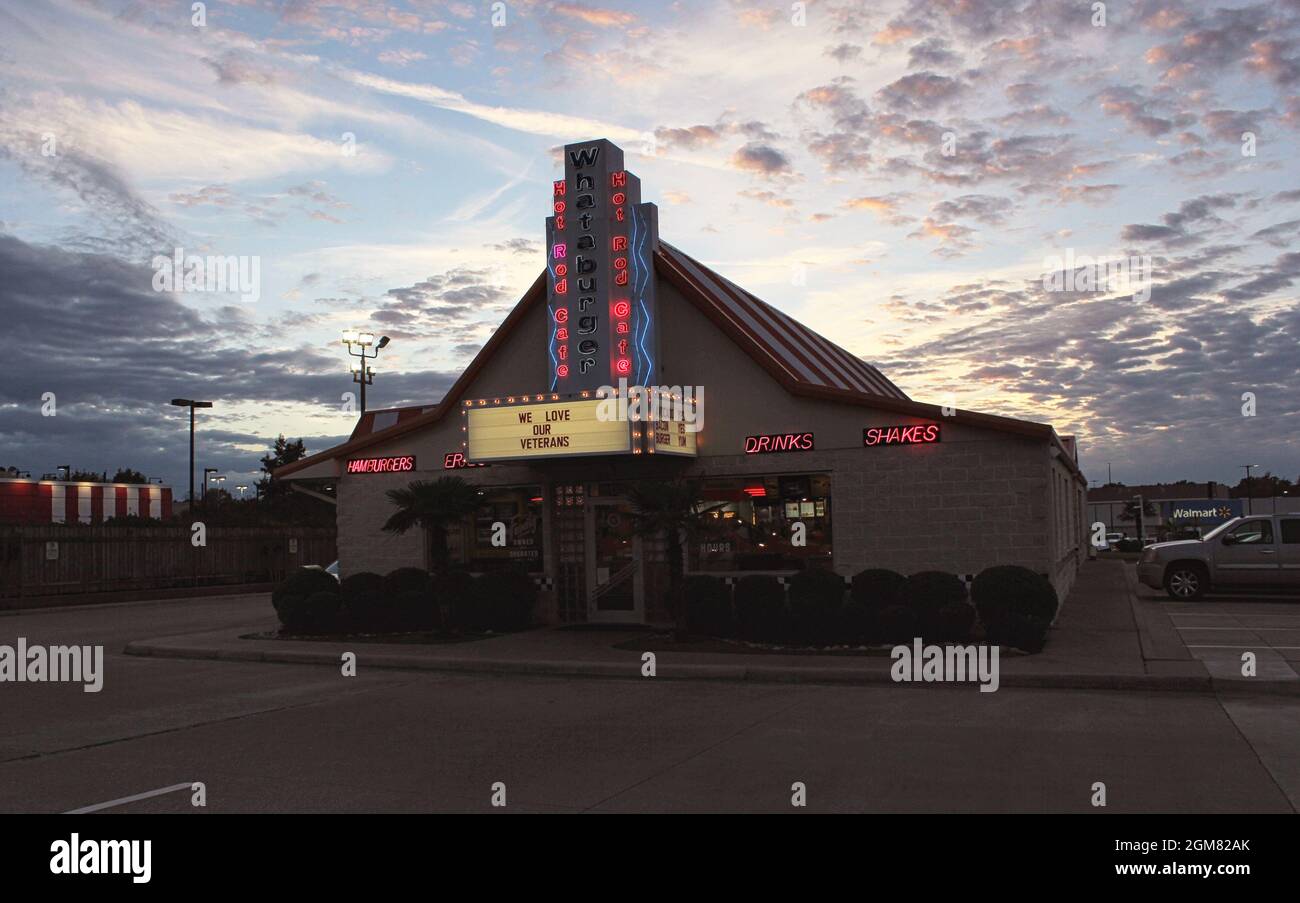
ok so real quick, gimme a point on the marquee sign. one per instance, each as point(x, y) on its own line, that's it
point(600, 247)
point(557, 427)
point(917, 434)
point(392, 464)
point(670, 437)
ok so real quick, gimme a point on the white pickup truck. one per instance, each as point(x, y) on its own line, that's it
point(1256, 552)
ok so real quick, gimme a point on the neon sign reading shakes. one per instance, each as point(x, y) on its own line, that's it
point(918, 434)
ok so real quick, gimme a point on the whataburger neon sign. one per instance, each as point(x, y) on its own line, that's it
point(917, 434)
point(600, 242)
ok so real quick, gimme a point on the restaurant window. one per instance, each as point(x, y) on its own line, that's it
point(749, 524)
point(519, 508)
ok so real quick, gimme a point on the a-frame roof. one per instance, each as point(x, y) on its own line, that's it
point(779, 341)
point(802, 361)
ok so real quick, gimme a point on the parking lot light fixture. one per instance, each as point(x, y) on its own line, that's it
point(357, 343)
point(191, 404)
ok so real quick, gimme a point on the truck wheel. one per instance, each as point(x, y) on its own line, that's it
point(1186, 582)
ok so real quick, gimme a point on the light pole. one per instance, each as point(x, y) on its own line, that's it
point(361, 372)
point(207, 475)
point(1248, 469)
point(241, 489)
point(191, 404)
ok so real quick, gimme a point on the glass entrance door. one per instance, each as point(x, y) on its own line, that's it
point(614, 577)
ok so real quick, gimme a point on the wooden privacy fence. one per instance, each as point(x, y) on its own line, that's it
point(43, 560)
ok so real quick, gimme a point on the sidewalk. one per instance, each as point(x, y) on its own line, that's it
point(1101, 641)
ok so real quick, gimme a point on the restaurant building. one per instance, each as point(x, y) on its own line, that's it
point(806, 456)
point(28, 501)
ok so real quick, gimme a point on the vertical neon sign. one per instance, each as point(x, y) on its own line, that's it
point(600, 242)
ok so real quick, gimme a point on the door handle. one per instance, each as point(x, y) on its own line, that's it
point(1268, 551)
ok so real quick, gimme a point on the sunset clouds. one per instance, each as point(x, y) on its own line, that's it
point(917, 162)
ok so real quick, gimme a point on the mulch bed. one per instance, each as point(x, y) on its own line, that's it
point(417, 637)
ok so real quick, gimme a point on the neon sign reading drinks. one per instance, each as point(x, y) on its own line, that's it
point(394, 464)
point(780, 442)
point(917, 434)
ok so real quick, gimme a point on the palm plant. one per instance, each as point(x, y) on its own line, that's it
point(433, 505)
point(673, 511)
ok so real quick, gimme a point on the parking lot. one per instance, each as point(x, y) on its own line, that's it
point(1220, 628)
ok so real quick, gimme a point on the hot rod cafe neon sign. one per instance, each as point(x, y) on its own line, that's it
point(918, 434)
point(395, 464)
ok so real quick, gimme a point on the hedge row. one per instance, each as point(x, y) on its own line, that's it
point(310, 601)
point(1014, 605)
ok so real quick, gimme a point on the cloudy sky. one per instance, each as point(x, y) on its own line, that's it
point(900, 176)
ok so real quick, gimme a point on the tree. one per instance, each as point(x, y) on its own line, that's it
point(672, 511)
point(1263, 486)
point(1130, 510)
point(433, 505)
point(127, 475)
point(284, 452)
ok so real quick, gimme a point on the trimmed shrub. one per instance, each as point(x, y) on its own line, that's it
point(708, 606)
point(1024, 632)
point(873, 590)
point(503, 600)
point(363, 600)
point(289, 598)
point(402, 580)
point(456, 596)
point(319, 613)
point(411, 610)
point(926, 592)
point(895, 624)
point(952, 623)
point(1008, 589)
point(877, 587)
point(857, 623)
point(760, 608)
point(816, 598)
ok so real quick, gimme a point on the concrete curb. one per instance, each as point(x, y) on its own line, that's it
point(137, 603)
point(671, 670)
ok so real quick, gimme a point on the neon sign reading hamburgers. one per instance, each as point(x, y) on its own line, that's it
point(394, 464)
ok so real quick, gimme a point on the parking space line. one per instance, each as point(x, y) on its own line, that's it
point(1237, 646)
point(130, 799)
point(1242, 627)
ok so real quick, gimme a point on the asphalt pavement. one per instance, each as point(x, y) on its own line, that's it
point(270, 737)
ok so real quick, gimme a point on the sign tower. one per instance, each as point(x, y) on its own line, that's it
point(600, 248)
